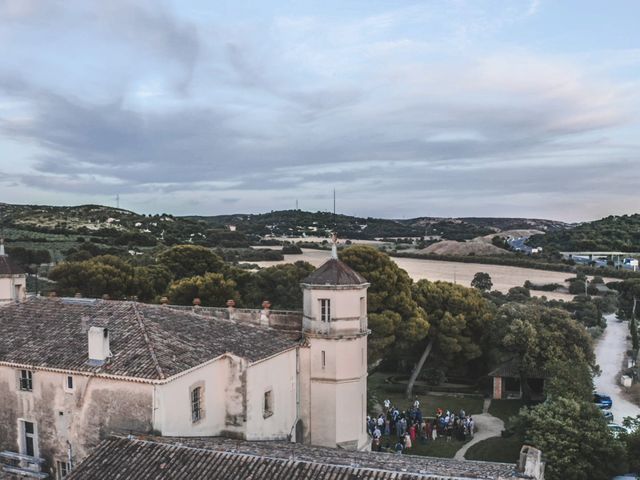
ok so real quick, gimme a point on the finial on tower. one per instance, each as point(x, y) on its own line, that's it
point(334, 246)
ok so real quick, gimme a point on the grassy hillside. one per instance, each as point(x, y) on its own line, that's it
point(614, 233)
point(62, 231)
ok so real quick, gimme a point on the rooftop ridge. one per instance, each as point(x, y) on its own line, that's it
point(147, 340)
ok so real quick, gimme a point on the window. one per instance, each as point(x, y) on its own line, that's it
point(68, 384)
point(363, 307)
point(63, 467)
point(268, 403)
point(325, 309)
point(26, 380)
point(323, 358)
point(196, 404)
point(28, 444)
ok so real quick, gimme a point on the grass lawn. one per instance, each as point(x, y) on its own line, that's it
point(438, 448)
point(505, 409)
point(428, 403)
point(496, 449)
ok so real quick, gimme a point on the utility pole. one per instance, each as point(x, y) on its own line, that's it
point(118, 201)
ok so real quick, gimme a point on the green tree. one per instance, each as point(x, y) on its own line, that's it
point(574, 438)
point(185, 261)
point(96, 277)
point(536, 335)
point(396, 321)
point(569, 379)
point(459, 316)
point(151, 281)
point(212, 289)
point(279, 284)
point(482, 281)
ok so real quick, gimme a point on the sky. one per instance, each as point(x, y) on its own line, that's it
point(523, 108)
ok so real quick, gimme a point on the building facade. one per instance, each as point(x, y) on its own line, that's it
point(73, 371)
point(13, 280)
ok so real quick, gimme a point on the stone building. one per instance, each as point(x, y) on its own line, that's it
point(13, 280)
point(147, 458)
point(73, 371)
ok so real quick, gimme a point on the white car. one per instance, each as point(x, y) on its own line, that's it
point(616, 429)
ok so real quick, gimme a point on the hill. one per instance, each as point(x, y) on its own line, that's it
point(298, 223)
point(97, 229)
point(613, 233)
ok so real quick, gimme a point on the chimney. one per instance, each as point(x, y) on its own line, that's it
point(2, 247)
point(98, 346)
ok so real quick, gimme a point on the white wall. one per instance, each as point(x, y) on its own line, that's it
point(95, 407)
point(173, 402)
point(13, 287)
point(277, 374)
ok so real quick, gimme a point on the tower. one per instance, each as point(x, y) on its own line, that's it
point(13, 280)
point(335, 373)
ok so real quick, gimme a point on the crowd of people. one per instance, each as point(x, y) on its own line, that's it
point(399, 430)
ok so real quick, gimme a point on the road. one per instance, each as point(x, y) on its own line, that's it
point(610, 352)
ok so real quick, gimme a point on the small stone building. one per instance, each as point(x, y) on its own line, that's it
point(507, 384)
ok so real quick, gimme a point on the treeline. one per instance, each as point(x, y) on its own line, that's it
point(181, 273)
point(613, 233)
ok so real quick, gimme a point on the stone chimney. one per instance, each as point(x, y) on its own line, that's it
point(98, 346)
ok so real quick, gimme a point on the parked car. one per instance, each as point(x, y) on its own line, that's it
point(616, 429)
point(608, 416)
point(602, 401)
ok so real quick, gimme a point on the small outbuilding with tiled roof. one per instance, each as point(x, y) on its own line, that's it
point(507, 383)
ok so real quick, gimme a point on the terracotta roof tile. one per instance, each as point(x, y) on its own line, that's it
point(146, 341)
point(220, 458)
point(334, 272)
point(9, 267)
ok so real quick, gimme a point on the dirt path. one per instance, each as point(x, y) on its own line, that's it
point(488, 426)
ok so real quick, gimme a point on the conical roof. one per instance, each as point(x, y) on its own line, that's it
point(9, 267)
point(334, 272)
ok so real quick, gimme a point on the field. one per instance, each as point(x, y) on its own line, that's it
point(503, 277)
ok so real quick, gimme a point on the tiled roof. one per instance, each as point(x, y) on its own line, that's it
point(146, 341)
point(511, 369)
point(334, 272)
point(9, 267)
point(219, 458)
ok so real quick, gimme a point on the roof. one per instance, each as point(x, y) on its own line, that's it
point(146, 341)
point(218, 458)
point(9, 267)
point(511, 369)
point(334, 272)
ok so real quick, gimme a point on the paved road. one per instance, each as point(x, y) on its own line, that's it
point(610, 352)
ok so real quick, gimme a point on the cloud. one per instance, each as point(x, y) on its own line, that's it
point(401, 104)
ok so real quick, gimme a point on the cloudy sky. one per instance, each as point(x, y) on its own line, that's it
point(437, 107)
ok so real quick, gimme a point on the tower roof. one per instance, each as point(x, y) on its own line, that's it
point(334, 272)
point(9, 267)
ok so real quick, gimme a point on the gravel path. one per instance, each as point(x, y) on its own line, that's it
point(488, 426)
point(610, 353)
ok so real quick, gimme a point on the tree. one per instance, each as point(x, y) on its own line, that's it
point(279, 284)
point(397, 322)
point(212, 289)
point(537, 335)
point(482, 281)
point(459, 318)
point(569, 379)
point(185, 261)
point(574, 438)
point(96, 277)
point(151, 281)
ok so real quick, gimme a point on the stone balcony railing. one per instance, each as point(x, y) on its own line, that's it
point(279, 319)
